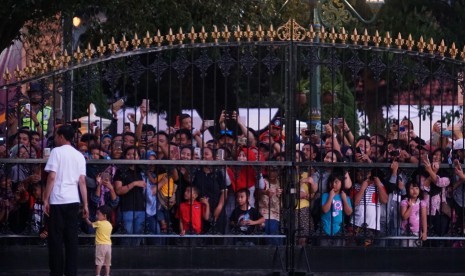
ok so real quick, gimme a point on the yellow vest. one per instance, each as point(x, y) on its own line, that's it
point(42, 116)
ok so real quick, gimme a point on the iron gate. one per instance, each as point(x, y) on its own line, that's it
point(303, 77)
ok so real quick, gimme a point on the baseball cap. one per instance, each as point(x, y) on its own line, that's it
point(35, 87)
point(226, 132)
point(277, 123)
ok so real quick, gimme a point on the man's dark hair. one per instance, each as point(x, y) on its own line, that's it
point(129, 134)
point(183, 116)
point(86, 137)
point(162, 133)
point(148, 127)
point(364, 137)
point(185, 132)
point(67, 132)
point(23, 131)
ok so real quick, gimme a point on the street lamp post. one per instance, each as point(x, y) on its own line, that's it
point(77, 30)
point(332, 13)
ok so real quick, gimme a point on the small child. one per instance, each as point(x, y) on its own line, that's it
point(102, 239)
point(334, 203)
point(244, 218)
point(191, 212)
point(413, 210)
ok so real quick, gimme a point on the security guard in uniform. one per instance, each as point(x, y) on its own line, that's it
point(38, 117)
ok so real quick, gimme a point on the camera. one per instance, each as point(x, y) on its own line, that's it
point(394, 153)
point(308, 132)
point(209, 123)
point(359, 150)
point(220, 154)
point(334, 121)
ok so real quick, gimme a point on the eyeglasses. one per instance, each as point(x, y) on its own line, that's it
point(226, 132)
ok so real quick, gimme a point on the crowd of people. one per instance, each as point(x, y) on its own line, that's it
point(332, 206)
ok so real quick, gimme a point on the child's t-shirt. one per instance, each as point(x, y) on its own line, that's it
point(332, 220)
point(239, 215)
point(103, 230)
point(191, 216)
point(413, 221)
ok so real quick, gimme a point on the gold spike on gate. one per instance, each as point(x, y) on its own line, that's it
point(410, 42)
point(462, 54)
point(399, 41)
point(343, 35)
point(147, 40)
point(65, 59)
point(442, 48)
point(101, 48)
point(215, 34)
point(260, 33)
point(170, 37)
point(355, 37)
point(271, 33)
point(248, 33)
point(192, 35)
point(112, 46)
point(30, 70)
point(54, 62)
point(18, 73)
point(453, 51)
point(323, 34)
point(332, 36)
point(42, 66)
point(226, 34)
point(311, 33)
point(124, 44)
point(388, 40)
point(376, 39)
point(431, 46)
point(365, 38)
point(421, 45)
point(78, 55)
point(135, 42)
point(89, 51)
point(238, 33)
point(7, 75)
point(203, 35)
point(158, 38)
point(180, 36)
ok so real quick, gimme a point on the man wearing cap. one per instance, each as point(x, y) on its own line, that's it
point(39, 117)
point(275, 130)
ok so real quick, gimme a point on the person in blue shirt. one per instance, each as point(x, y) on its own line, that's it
point(335, 203)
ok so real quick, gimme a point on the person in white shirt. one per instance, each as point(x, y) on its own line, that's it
point(66, 169)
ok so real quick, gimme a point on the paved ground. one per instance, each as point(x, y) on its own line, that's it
point(215, 272)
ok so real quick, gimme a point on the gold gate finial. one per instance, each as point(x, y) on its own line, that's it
point(291, 31)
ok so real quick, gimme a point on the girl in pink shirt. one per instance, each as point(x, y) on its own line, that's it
point(413, 210)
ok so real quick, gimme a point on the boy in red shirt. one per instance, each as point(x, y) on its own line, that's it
point(191, 212)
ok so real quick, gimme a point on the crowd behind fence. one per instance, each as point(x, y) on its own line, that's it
point(340, 189)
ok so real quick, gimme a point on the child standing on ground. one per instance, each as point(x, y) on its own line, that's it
point(334, 203)
point(191, 212)
point(413, 211)
point(103, 230)
point(245, 218)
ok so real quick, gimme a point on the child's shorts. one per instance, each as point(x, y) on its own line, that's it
point(103, 254)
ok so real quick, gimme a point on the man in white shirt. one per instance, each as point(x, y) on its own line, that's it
point(66, 169)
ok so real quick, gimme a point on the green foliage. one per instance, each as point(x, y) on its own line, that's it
point(343, 101)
